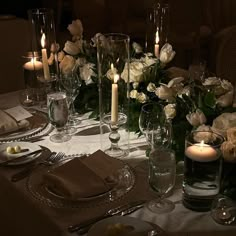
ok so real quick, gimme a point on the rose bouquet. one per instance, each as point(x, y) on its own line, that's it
point(203, 104)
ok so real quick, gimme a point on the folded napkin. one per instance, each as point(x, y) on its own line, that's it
point(83, 177)
point(9, 124)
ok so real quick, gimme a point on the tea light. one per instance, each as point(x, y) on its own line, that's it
point(28, 101)
point(33, 64)
point(201, 152)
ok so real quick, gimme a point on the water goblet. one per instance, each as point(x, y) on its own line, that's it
point(58, 115)
point(223, 210)
point(70, 83)
point(162, 170)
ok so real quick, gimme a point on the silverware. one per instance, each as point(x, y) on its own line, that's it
point(120, 210)
point(20, 157)
point(50, 160)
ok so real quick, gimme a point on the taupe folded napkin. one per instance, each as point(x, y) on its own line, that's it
point(84, 177)
point(9, 124)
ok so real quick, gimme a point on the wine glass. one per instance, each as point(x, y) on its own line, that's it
point(70, 83)
point(154, 125)
point(223, 210)
point(162, 170)
point(58, 112)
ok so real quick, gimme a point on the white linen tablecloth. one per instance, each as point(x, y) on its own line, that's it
point(180, 220)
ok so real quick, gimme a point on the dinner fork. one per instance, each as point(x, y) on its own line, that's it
point(50, 160)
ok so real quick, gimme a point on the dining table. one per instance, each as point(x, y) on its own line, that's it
point(24, 212)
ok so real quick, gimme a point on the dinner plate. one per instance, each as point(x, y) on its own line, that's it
point(25, 149)
point(116, 223)
point(38, 125)
point(119, 178)
point(38, 189)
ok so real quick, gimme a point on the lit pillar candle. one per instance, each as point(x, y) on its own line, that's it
point(33, 64)
point(45, 59)
point(201, 152)
point(114, 100)
point(156, 47)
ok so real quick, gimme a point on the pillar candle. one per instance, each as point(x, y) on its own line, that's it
point(33, 65)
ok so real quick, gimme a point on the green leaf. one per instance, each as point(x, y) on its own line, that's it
point(210, 100)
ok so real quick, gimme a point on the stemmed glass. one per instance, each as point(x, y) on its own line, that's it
point(162, 170)
point(223, 210)
point(58, 115)
point(70, 83)
point(154, 125)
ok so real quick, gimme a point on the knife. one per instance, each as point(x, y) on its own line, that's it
point(120, 210)
point(20, 157)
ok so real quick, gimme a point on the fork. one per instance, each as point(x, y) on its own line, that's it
point(50, 160)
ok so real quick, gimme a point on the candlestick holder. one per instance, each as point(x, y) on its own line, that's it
point(113, 72)
point(202, 169)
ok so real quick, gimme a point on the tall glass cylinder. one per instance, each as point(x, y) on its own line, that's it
point(113, 70)
point(44, 42)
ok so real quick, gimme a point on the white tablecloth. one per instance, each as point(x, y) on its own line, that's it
point(179, 220)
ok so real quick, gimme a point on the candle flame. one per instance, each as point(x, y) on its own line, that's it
point(116, 78)
point(157, 37)
point(201, 145)
point(43, 39)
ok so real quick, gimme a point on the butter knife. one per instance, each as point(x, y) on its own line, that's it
point(120, 210)
point(20, 157)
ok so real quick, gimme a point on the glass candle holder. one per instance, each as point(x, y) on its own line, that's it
point(44, 42)
point(202, 169)
point(113, 70)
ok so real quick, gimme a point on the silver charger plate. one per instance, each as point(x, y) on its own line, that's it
point(38, 125)
point(125, 179)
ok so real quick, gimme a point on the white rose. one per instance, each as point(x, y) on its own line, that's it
point(151, 87)
point(223, 122)
point(166, 53)
point(67, 64)
point(134, 93)
point(211, 81)
point(225, 100)
point(137, 47)
point(229, 151)
point(142, 97)
point(231, 134)
point(60, 56)
point(225, 84)
point(136, 71)
point(175, 81)
point(185, 90)
point(170, 111)
point(73, 48)
point(205, 134)
point(86, 72)
point(135, 85)
point(164, 92)
point(76, 28)
point(111, 73)
point(196, 118)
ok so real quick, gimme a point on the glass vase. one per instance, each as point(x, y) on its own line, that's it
point(113, 70)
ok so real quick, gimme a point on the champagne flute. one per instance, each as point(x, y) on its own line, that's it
point(58, 115)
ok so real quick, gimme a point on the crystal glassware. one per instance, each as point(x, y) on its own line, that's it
point(223, 210)
point(162, 170)
point(70, 83)
point(202, 169)
point(58, 113)
point(113, 71)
